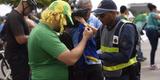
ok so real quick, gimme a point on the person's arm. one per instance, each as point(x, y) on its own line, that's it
point(57, 49)
point(82, 21)
point(71, 57)
point(158, 11)
point(31, 24)
point(22, 39)
point(126, 45)
point(156, 16)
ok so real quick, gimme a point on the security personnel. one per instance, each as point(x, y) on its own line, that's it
point(117, 40)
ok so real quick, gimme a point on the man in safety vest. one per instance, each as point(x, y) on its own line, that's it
point(117, 40)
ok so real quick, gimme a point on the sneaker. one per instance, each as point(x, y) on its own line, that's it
point(144, 58)
point(153, 67)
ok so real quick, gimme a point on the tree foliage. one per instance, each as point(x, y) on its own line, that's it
point(41, 3)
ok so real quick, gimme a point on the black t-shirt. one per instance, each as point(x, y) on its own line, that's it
point(16, 25)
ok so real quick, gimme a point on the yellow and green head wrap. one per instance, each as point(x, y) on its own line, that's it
point(59, 10)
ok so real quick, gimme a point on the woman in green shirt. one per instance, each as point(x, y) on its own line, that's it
point(48, 56)
point(152, 33)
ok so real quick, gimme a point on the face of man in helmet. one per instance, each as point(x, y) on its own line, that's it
point(108, 18)
point(27, 8)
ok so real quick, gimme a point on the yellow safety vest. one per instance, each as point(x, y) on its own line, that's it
point(115, 50)
point(118, 66)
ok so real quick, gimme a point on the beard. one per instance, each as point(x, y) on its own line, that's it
point(57, 29)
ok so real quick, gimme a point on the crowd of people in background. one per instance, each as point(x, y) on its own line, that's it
point(69, 41)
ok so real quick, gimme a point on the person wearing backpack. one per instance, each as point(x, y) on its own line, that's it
point(117, 40)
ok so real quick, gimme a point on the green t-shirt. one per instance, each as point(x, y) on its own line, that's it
point(140, 18)
point(44, 47)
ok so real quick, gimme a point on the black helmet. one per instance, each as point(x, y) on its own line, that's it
point(32, 3)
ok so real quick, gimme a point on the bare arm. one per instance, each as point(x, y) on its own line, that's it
point(157, 17)
point(22, 39)
point(31, 24)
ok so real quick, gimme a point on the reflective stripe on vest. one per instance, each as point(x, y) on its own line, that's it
point(120, 66)
point(92, 58)
point(116, 50)
point(109, 49)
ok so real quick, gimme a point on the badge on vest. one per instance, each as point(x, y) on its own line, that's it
point(115, 39)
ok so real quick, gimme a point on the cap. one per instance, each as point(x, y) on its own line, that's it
point(62, 7)
point(59, 10)
point(105, 6)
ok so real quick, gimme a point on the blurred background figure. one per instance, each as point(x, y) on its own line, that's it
point(152, 33)
point(34, 16)
point(124, 12)
point(140, 22)
point(2, 23)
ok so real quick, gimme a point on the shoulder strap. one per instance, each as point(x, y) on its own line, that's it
point(137, 37)
point(120, 27)
point(117, 33)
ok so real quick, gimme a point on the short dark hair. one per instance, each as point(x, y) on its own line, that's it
point(151, 6)
point(123, 9)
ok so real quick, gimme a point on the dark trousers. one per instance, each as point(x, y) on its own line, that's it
point(152, 35)
point(90, 72)
point(19, 67)
point(130, 73)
